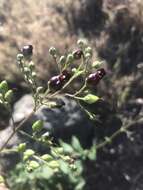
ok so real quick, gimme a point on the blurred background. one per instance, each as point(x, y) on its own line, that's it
point(114, 29)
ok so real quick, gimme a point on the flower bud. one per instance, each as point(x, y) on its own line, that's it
point(55, 83)
point(28, 153)
point(26, 70)
point(88, 50)
point(52, 51)
point(40, 89)
point(88, 55)
point(77, 54)
point(62, 60)
point(21, 147)
point(94, 78)
point(70, 58)
point(37, 126)
point(27, 50)
point(53, 164)
point(20, 57)
point(33, 165)
point(34, 75)
point(81, 43)
point(47, 157)
point(31, 65)
point(74, 70)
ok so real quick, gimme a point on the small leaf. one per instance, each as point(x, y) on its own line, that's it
point(76, 144)
point(64, 167)
point(9, 96)
point(92, 153)
point(3, 87)
point(45, 172)
point(67, 148)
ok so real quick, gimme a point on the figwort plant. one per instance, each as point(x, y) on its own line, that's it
point(64, 161)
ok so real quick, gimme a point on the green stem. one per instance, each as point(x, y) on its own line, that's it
point(118, 132)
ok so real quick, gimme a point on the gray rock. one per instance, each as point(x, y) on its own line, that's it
point(59, 122)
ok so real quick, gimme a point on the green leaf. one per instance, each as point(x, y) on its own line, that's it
point(64, 166)
point(90, 98)
point(76, 144)
point(9, 96)
point(80, 185)
point(67, 148)
point(3, 87)
point(45, 172)
point(92, 153)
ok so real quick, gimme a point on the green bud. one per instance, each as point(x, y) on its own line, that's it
point(88, 50)
point(34, 74)
point(89, 98)
point(53, 164)
point(62, 60)
point(52, 51)
point(31, 65)
point(88, 55)
point(66, 158)
point(33, 165)
point(59, 150)
point(21, 147)
point(20, 57)
point(81, 43)
point(9, 96)
point(47, 157)
point(3, 87)
point(74, 70)
point(37, 126)
point(97, 64)
point(70, 58)
point(26, 70)
point(28, 153)
point(54, 153)
point(40, 89)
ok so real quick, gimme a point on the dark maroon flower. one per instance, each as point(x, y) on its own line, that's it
point(55, 83)
point(94, 78)
point(27, 50)
point(78, 54)
point(66, 75)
